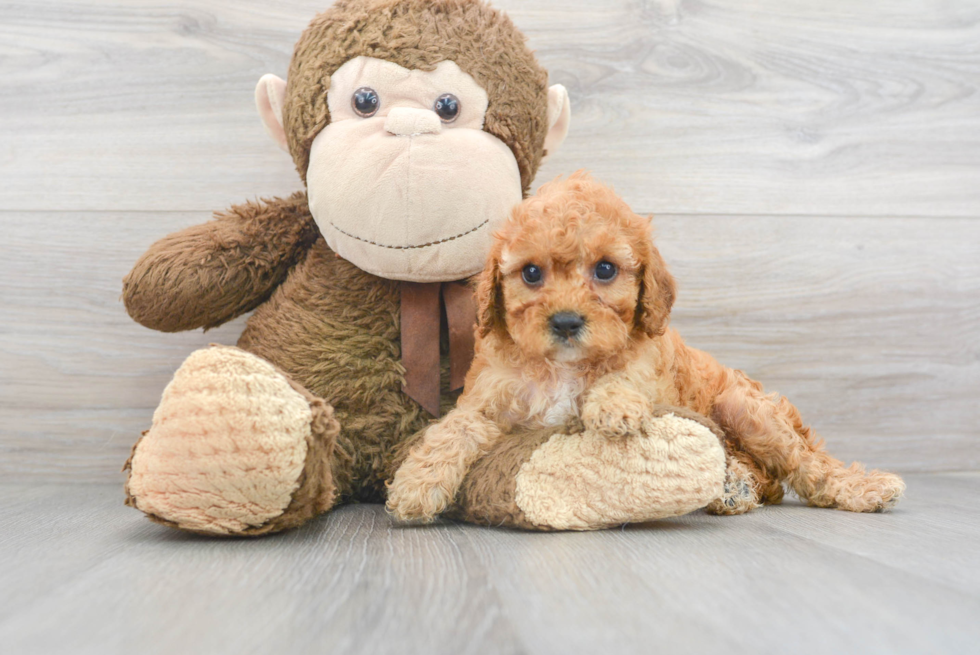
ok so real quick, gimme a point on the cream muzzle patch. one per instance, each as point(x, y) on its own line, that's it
point(395, 187)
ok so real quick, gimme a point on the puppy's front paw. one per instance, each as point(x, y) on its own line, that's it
point(412, 498)
point(615, 414)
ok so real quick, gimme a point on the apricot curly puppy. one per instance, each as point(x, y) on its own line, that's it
point(574, 305)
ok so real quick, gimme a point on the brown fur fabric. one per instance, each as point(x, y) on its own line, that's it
point(206, 275)
point(334, 329)
point(419, 34)
point(329, 326)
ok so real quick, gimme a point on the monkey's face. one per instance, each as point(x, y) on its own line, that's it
point(404, 182)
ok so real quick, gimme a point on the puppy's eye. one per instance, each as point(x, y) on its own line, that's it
point(531, 274)
point(447, 107)
point(365, 102)
point(605, 271)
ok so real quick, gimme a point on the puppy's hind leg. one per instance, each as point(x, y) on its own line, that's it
point(769, 428)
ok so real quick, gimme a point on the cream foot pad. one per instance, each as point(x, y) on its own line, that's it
point(588, 481)
point(227, 445)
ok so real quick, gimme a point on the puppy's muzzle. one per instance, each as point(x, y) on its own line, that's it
point(566, 325)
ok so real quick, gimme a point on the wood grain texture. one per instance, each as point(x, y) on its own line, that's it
point(868, 325)
point(762, 107)
point(83, 574)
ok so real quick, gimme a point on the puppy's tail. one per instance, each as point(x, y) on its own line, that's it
point(769, 428)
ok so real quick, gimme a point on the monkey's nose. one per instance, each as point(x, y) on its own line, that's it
point(410, 121)
point(566, 324)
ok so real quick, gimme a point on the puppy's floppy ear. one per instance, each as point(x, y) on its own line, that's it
point(656, 295)
point(491, 313)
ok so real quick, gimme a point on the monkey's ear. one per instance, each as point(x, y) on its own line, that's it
point(559, 118)
point(270, 93)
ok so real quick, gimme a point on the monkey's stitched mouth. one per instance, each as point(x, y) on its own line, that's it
point(421, 245)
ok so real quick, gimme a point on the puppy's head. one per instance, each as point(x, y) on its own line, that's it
point(574, 275)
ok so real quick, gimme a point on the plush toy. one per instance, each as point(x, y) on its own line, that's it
point(416, 125)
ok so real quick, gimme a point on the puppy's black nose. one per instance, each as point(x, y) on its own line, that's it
point(566, 324)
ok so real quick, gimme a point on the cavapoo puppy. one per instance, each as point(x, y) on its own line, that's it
point(573, 312)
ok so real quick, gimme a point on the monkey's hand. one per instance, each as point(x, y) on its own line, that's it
point(208, 274)
point(427, 481)
point(615, 409)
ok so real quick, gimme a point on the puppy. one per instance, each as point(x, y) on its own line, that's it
point(573, 312)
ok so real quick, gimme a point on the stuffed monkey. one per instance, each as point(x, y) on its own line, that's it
point(416, 125)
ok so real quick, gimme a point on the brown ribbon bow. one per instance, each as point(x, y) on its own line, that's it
point(420, 321)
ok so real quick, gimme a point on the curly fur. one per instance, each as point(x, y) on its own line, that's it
point(623, 363)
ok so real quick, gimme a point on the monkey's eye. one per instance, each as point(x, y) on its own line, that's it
point(531, 274)
point(365, 102)
point(605, 271)
point(447, 107)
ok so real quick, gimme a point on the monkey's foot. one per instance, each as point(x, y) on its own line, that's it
point(235, 448)
point(581, 479)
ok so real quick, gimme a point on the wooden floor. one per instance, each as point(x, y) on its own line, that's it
point(81, 573)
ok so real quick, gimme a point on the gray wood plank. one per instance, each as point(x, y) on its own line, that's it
point(699, 584)
point(84, 574)
point(52, 534)
point(868, 325)
point(349, 583)
point(941, 510)
point(766, 107)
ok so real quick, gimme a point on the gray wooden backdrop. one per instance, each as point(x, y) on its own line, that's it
point(814, 166)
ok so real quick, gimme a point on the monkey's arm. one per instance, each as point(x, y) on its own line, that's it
point(208, 274)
